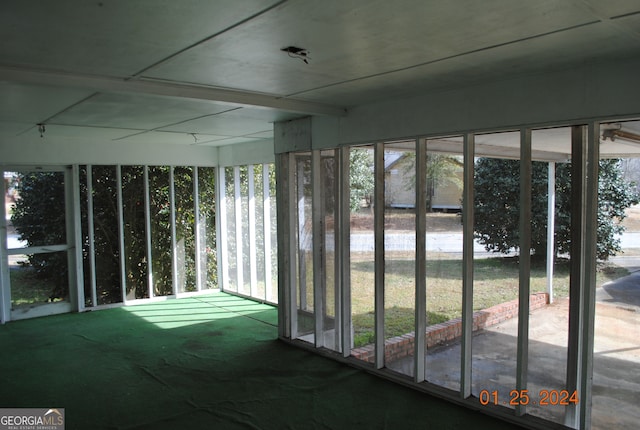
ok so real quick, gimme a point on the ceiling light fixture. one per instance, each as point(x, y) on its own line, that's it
point(295, 52)
point(41, 129)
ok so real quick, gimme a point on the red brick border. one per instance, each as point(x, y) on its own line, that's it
point(439, 334)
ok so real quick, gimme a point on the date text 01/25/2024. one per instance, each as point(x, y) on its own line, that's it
point(523, 398)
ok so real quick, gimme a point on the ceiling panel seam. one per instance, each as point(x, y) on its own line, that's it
point(176, 123)
point(451, 57)
point(208, 38)
point(625, 15)
point(68, 108)
point(598, 13)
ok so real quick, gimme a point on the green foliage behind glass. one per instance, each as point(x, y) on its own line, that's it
point(497, 206)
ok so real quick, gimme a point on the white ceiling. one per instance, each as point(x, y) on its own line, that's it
point(211, 72)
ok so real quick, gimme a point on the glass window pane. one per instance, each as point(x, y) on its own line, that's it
point(231, 283)
point(37, 279)
point(273, 212)
point(362, 257)
point(304, 251)
point(160, 230)
point(548, 325)
point(496, 272)
point(185, 229)
point(616, 380)
point(106, 234)
point(331, 299)
point(135, 238)
point(444, 185)
point(37, 209)
point(207, 227)
point(399, 255)
point(259, 236)
point(242, 212)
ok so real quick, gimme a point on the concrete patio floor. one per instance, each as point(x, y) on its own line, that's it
point(616, 376)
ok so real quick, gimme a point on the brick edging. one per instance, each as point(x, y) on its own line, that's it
point(442, 333)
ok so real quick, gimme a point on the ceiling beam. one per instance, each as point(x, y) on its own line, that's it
point(161, 88)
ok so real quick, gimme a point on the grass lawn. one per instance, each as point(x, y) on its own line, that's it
point(495, 278)
point(495, 281)
point(27, 288)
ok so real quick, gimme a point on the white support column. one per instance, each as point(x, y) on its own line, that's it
point(147, 226)
point(286, 264)
point(522, 365)
point(319, 258)
point(91, 232)
point(76, 225)
point(221, 225)
point(551, 227)
point(253, 269)
point(238, 215)
point(123, 270)
point(577, 276)
point(467, 266)
point(266, 223)
point(421, 262)
point(292, 212)
point(589, 287)
point(5, 292)
point(197, 232)
point(343, 259)
point(174, 244)
point(379, 254)
point(337, 250)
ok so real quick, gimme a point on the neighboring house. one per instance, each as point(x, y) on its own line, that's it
point(442, 195)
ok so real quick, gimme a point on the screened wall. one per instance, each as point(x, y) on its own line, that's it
point(148, 232)
point(90, 236)
point(386, 241)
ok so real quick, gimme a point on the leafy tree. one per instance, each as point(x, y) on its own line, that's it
point(441, 170)
point(497, 206)
point(361, 179)
point(39, 218)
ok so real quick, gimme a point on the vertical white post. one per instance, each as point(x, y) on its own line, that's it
point(197, 232)
point(577, 285)
point(589, 269)
point(286, 264)
point(551, 226)
point(252, 234)
point(378, 221)
point(91, 231)
point(147, 226)
point(76, 225)
point(123, 270)
point(467, 267)
point(174, 244)
point(318, 250)
point(343, 259)
point(266, 222)
point(420, 348)
point(239, 241)
point(294, 182)
point(522, 364)
point(338, 251)
point(221, 223)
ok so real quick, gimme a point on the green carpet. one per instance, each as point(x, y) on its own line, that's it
point(211, 362)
